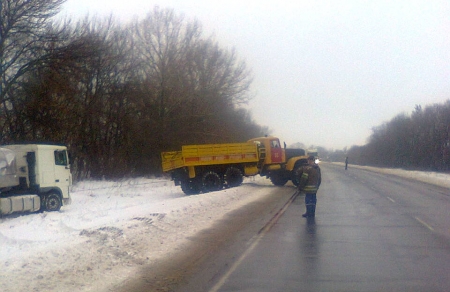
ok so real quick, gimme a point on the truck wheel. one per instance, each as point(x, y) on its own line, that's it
point(278, 179)
point(52, 202)
point(190, 187)
point(211, 182)
point(233, 177)
point(296, 174)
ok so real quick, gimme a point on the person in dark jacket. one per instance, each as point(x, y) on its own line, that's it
point(309, 184)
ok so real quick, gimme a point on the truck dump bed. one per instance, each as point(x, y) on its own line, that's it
point(209, 154)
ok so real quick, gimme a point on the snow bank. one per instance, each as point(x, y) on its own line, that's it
point(434, 178)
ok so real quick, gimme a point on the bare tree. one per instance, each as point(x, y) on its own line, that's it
point(192, 86)
point(163, 39)
point(105, 100)
point(221, 83)
point(22, 30)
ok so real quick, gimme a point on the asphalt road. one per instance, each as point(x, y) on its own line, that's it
point(372, 232)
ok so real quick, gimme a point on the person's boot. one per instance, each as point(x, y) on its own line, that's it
point(308, 212)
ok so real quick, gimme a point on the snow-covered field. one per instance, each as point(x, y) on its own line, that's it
point(112, 229)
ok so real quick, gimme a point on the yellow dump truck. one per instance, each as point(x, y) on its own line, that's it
point(210, 167)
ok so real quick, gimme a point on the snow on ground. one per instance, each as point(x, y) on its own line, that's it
point(112, 229)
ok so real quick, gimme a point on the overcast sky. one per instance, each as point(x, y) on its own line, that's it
point(325, 72)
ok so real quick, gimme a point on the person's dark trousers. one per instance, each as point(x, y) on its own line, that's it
point(310, 203)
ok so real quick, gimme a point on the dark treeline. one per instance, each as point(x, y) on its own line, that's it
point(417, 141)
point(117, 94)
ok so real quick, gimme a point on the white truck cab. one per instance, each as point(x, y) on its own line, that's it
point(34, 177)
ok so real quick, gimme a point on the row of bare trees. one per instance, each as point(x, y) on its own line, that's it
point(117, 94)
point(417, 141)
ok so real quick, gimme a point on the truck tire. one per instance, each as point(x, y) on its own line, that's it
point(233, 177)
point(278, 179)
point(211, 182)
point(190, 187)
point(52, 202)
point(296, 174)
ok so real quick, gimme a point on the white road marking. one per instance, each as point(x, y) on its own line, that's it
point(261, 234)
point(424, 223)
point(390, 199)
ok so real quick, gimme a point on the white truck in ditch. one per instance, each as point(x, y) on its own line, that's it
point(34, 177)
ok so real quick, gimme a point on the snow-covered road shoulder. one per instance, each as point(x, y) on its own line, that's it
point(430, 177)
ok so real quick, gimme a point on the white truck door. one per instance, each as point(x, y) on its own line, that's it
point(62, 172)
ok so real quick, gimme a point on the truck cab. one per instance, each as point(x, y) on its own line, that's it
point(280, 164)
point(274, 153)
point(34, 177)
